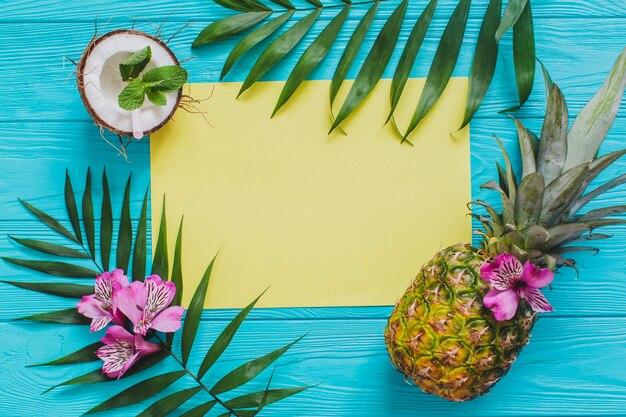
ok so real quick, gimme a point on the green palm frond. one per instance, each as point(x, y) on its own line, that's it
point(80, 260)
point(258, 21)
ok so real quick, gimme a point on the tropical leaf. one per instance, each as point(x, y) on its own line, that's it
point(229, 26)
point(194, 313)
point(249, 370)
point(49, 221)
point(199, 410)
point(106, 223)
point(484, 63)
point(68, 316)
point(82, 355)
point(170, 403)
point(517, 15)
point(139, 392)
point(139, 251)
point(224, 339)
point(72, 210)
point(255, 399)
point(59, 269)
point(125, 235)
point(177, 268)
point(160, 265)
point(278, 49)
point(88, 220)
point(351, 51)
point(252, 39)
point(51, 248)
point(374, 65)
point(54, 288)
point(443, 64)
point(311, 58)
point(407, 59)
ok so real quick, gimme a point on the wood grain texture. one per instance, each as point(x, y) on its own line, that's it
point(575, 363)
point(567, 369)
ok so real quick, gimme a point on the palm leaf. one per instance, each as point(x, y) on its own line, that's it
point(407, 59)
point(160, 265)
point(139, 251)
point(484, 63)
point(139, 392)
point(70, 206)
point(177, 268)
point(106, 223)
point(125, 234)
point(88, 221)
point(255, 399)
point(351, 51)
point(170, 403)
point(59, 269)
point(68, 316)
point(228, 26)
point(54, 288)
point(252, 39)
point(443, 64)
point(49, 221)
point(278, 49)
point(82, 355)
point(224, 339)
point(199, 410)
point(194, 313)
point(51, 248)
point(249, 370)
point(374, 65)
point(311, 58)
point(517, 15)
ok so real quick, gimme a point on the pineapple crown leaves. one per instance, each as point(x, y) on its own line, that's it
point(154, 84)
point(540, 213)
point(259, 22)
point(79, 259)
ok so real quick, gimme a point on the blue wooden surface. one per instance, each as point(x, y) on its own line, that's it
point(576, 362)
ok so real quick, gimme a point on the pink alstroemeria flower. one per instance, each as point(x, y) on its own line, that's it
point(99, 306)
point(145, 305)
point(121, 350)
point(511, 281)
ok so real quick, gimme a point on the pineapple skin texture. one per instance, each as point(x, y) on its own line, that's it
point(442, 337)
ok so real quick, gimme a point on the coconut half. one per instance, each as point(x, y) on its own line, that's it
point(100, 83)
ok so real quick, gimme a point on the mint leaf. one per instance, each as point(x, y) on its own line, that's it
point(131, 67)
point(165, 79)
point(132, 96)
point(155, 96)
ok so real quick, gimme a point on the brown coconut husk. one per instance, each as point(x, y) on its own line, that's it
point(80, 74)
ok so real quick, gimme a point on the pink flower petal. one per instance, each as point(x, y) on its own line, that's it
point(487, 271)
point(115, 357)
point(537, 301)
point(160, 294)
point(117, 276)
point(90, 307)
point(130, 299)
point(119, 333)
point(168, 320)
point(502, 303)
point(509, 269)
point(146, 348)
point(537, 277)
point(154, 278)
point(130, 362)
point(99, 323)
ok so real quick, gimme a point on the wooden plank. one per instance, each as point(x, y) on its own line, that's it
point(568, 369)
point(47, 92)
point(199, 10)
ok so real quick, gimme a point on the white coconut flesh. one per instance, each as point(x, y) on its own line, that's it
point(102, 83)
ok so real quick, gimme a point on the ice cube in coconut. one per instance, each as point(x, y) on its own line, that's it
point(100, 83)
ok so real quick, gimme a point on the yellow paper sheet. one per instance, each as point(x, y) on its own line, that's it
point(322, 220)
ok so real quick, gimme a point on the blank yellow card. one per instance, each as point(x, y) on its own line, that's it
point(339, 220)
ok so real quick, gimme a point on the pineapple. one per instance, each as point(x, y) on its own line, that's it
point(440, 334)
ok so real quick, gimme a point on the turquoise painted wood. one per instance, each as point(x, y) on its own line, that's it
point(576, 362)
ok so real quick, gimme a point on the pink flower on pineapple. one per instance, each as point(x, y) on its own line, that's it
point(510, 282)
point(146, 305)
point(100, 306)
point(121, 350)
